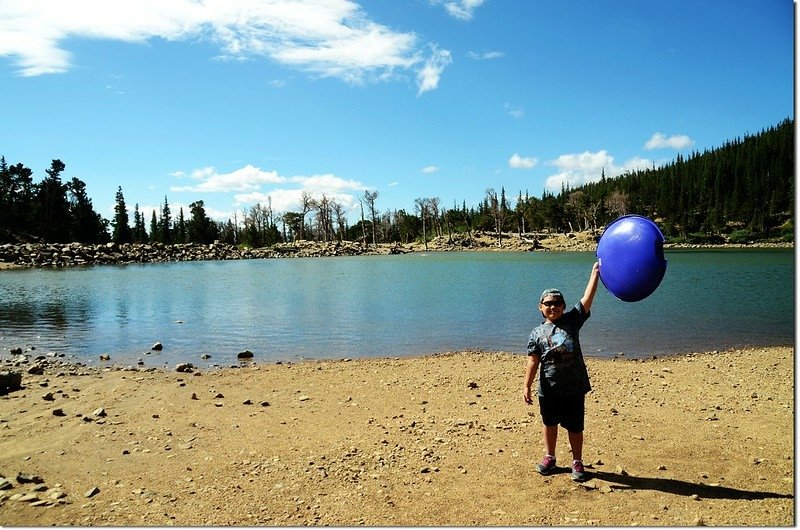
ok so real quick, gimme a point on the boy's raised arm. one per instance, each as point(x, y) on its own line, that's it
point(591, 287)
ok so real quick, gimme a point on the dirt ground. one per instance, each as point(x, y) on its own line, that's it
point(698, 439)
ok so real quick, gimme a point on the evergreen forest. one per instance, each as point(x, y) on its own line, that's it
point(739, 192)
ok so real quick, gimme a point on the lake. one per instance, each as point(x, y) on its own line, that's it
point(386, 306)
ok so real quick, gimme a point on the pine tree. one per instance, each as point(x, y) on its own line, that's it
point(122, 230)
point(180, 228)
point(21, 213)
point(139, 231)
point(165, 223)
point(52, 205)
point(86, 225)
point(155, 233)
point(5, 193)
point(201, 229)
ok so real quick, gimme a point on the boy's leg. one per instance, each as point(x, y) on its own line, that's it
point(573, 422)
point(550, 416)
point(576, 443)
point(548, 463)
point(550, 438)
point(574, 426)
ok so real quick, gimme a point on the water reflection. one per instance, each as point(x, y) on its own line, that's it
point(386, 306)
point(53, 315)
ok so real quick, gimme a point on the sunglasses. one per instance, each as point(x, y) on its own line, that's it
point(551, 303)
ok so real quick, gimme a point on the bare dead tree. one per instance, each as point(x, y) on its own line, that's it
point(497, 214)
point(341, 219)
point(520, 208)
point(323, 214)
point(617, 203)
point(363, 222)
point(369, 198)
point(467, 218)
point(270, 213)
point(401, 221)
point(592, 211)
point(433, 204)
point(577, 203)
point(385, 223)
point(306, 204)
point(421, 205)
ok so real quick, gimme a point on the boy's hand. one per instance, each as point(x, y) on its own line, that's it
point(526, 395)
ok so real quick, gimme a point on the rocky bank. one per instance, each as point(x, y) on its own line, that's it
point(26, 255)
point(440, 440)
point(77, 254)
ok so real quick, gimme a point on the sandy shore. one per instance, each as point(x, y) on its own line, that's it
point(438, 440)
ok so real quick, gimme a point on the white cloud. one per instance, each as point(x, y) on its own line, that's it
point(146, 210)
point(114, 89)
point(290, 200)
point(461, 9)
point(248, 183)
point(147, 213)
point(429, 75)
point(430, 169)
point(327, 183)
point(677, 142)
point(515, 111)
point(334, 38)
point(485, 56)
point(636, 164)
point(214, 214)
point(32, 31)
point(578, 169)
point(281, 200)
point(248, 178)
point(518, 162)
point(583, 168)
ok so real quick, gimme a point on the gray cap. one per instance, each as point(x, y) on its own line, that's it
point(551, 292)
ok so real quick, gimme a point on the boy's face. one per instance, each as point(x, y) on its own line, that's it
point(552, 307)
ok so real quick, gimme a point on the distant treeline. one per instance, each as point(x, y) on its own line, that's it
point(739, 192)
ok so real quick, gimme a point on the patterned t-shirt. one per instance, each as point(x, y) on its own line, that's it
point(562, 370)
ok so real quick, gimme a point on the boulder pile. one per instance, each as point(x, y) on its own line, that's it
point(72, 254)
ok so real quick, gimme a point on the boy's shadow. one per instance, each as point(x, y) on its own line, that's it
point(681, 487)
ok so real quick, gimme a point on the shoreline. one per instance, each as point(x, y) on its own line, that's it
point(691, 439)
point(66, 255)
point(31, 362)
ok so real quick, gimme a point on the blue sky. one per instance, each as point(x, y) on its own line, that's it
point(239, 102)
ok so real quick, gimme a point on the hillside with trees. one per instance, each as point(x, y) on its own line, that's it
point(742, 191)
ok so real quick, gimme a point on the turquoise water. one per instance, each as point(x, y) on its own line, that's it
point(386, 306)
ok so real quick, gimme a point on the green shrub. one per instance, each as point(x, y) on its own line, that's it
point(676, 240)
point(741, 236)
point(787, 231)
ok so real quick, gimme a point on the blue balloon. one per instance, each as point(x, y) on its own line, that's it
point(631, 257)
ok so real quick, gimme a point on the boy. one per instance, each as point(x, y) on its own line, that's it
point(563, 380)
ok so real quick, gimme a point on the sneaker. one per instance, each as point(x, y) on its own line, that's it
point(578, 473)
point(547, 465)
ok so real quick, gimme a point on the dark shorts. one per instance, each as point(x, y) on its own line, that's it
point(567, 411)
